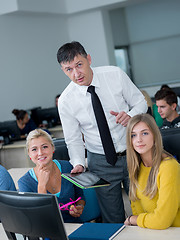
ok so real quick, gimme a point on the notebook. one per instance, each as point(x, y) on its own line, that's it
point(97, 231)
point(85, 180)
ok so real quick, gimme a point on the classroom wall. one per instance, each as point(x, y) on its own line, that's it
point(30, 75)
point(153, 34)
point(119, 27)
point(32, 41)
point(93, 30)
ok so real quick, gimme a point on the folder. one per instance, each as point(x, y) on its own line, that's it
point(97, 231)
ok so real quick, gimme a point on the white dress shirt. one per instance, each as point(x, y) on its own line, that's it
point(116, 92)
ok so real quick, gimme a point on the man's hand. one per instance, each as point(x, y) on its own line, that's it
point(77, 169)
point(121, 118)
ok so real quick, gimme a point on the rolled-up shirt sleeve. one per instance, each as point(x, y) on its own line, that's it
point(133, 96)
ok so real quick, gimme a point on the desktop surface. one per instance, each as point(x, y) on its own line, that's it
point(137, 233)
point(129, 233)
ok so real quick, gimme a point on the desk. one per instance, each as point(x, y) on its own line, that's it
point(14, 155)
point(137, 233)
point(56, 131)
point(68, 226)
point(129, 233)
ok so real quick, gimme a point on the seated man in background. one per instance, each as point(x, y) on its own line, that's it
point(166, 87)
point(166, 101)
point(6, 181)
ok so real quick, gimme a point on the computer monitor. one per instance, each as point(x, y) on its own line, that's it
point(61, 151)
point(50, 115)
point(9, 131)
point(171, 139)
point(36, 216)
point(33, 115)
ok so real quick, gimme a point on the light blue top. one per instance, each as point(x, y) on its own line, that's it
point(6, 181)
point(33, 175)
point(69, 191)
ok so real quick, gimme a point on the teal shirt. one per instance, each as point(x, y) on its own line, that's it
point(28, 183)
point(33, 175)
point(157, 116)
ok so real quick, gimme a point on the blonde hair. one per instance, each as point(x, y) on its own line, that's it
point(134, 159)
point(36, 134)
point(148, 99)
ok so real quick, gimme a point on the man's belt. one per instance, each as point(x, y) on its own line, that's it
point(121, 153)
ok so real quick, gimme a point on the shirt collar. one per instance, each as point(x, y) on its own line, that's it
point(95, 82)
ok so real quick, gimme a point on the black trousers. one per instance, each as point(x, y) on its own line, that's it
point(110, 198)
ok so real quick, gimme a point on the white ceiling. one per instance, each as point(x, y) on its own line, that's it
point(60, 6)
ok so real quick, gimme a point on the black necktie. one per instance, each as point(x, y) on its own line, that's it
point(103, 127)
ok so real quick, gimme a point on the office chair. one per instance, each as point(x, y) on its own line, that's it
point(61, 151)
point(171, 141)
point(91, 210)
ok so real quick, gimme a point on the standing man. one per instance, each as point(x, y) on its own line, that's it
point(79, 113)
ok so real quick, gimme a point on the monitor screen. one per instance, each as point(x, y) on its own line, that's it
point(50, 115)
point(31, 214)
point(171, 139)
point(61, 151)
point(9, 131)
point(33, 115)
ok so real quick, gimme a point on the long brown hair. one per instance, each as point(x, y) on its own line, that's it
point(134, 159)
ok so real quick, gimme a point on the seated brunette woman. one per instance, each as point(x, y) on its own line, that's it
point(24, 123)
point(45, 177)
point(154, 177)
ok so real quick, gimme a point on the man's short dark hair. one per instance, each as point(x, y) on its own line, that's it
point(69, 51)
point(167, 95)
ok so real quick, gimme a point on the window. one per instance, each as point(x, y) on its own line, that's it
point(122, 60)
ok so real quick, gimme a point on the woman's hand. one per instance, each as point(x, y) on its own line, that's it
point(131, 221)
point(43, 178)
point(77, 210)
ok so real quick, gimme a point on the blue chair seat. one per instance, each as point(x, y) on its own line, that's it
point(91, 209)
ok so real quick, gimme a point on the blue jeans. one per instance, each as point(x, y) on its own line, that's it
point(110, 197)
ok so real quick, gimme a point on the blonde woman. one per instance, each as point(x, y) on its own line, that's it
point(45, 177)
point(154, 177)
point(149, 102)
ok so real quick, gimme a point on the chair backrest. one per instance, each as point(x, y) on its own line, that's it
point(61, 151)
point(176, 90)
point(171, 141)
point(91, 209)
